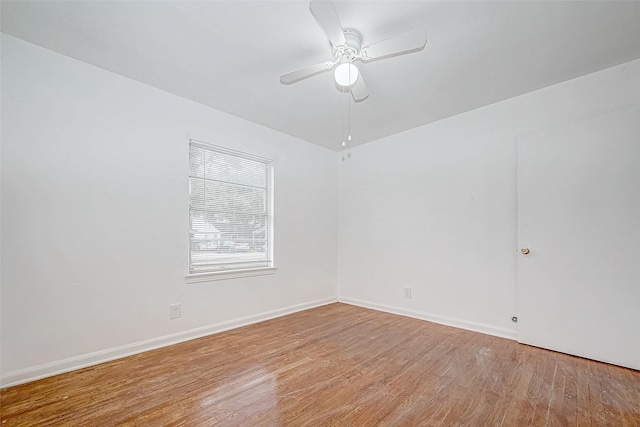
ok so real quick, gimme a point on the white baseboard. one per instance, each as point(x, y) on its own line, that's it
point(58, 367)
point(448, 321)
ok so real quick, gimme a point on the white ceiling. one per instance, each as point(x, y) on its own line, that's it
point(229, 54)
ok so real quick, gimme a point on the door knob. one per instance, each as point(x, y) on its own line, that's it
point(524, 251)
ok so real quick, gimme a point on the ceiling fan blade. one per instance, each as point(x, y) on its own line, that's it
point(303, 73)
point(408, 42)
point(359, 90)
point(325, 14)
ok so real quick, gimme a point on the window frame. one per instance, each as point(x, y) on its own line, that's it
point(230, 273)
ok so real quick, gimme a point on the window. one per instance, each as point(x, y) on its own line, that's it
point(229, 210)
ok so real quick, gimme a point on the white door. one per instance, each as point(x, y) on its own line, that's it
point(579, 216)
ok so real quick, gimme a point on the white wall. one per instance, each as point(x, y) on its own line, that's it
point(95, 217)
point(434, 208)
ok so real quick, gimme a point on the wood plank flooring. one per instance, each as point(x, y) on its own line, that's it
point(336, 365)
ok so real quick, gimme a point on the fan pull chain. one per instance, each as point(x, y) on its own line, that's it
point(346, 95)
point(349, 112)
point(343, 126)
point(346, 120)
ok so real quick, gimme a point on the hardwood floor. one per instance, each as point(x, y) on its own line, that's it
point(336, 365)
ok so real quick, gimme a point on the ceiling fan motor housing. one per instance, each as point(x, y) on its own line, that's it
point(351, 49)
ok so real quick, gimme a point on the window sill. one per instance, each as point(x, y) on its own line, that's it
point(229, 274)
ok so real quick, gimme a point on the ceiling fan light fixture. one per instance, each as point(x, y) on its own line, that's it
point(346, 74)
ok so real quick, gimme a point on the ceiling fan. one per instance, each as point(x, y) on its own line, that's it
point(346, 46)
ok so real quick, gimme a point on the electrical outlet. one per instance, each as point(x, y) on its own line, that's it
point(407, 292)
point(175, 311)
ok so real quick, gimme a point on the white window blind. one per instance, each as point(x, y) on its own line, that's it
point(229, 210)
